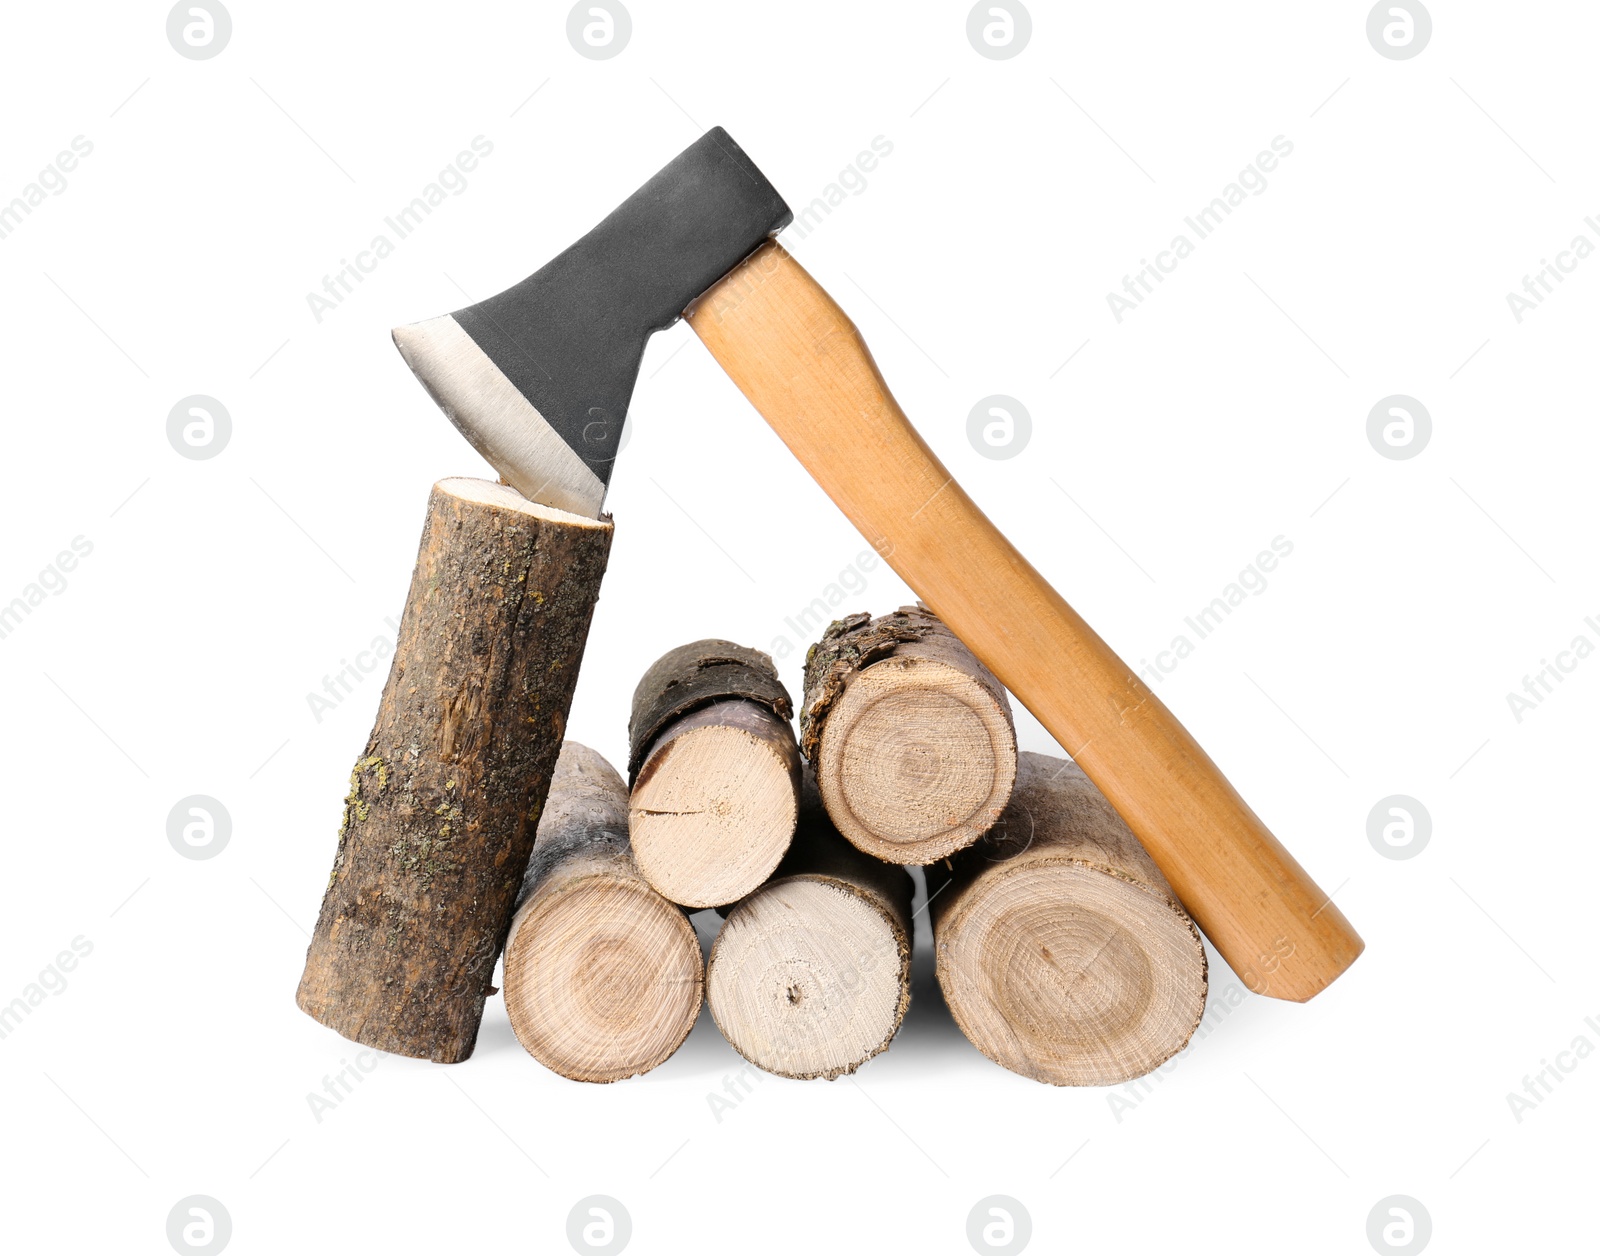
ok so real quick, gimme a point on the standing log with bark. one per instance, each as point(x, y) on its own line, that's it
point(1062, 951)
point(715, 770)
point(811, 975)
point(444, 801)
point(603, 976)
point(911, 736)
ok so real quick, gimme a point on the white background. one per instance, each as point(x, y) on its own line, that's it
point(1227, 410)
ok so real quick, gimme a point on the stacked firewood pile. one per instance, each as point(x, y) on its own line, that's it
point(1060, 949)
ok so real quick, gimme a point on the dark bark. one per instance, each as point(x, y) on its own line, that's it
point(694, 676)
point(445, 800)
point(847, 646)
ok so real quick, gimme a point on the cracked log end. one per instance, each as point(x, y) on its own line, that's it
point(716, 787)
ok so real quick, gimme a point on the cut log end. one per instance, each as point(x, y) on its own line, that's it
point(1068, 975)
point(917, 759)
point(809, 978)
point(603, 978)
point(1061, 950)
point(715, 803)
point(502, 496)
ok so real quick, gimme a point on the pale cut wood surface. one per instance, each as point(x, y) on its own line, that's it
point(915, 751)
point(444, 800)
point(603, 976)
point(714, 806)
point(1061, 950)
point(801, 362)
point(810, 976)
point(688, 677)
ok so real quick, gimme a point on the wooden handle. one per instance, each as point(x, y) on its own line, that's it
point(800, 360)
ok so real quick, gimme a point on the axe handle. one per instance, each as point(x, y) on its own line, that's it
point(800, 360)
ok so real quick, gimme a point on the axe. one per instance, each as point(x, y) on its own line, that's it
point(539, 378)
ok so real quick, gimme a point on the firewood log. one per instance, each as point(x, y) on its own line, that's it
point(716, 773)
point(1061, 950)
point(911, 737)
point(811, 974)
point(602, 975)
point(445, 798)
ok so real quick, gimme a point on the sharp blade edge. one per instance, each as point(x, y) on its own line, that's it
point(497, 420)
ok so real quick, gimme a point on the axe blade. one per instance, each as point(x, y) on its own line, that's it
point(538, 379)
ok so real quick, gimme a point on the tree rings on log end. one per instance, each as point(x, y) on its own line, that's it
point(602, 978)
point(809, 977)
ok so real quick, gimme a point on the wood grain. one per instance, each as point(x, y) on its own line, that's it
point(1061, 950)
point(801, 362)
point(910, 736)
point(714, 806)
point(603, 976)
point(716, 772)
point(811, 975)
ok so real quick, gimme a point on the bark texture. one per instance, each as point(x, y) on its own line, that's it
point(1062, 951)
point(716, 777)
point(696, 675)
point(910, 735)
point(445, 799)
point(811, 975)
point(603, 976)
point(847, 646)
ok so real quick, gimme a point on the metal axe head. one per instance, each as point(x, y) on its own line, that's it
point(539, 378)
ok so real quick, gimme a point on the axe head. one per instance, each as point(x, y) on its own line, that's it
point(539, 378)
